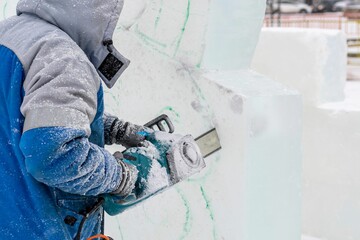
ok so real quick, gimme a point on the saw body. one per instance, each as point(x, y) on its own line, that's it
point(176, 159)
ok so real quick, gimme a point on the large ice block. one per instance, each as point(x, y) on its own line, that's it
point(331, 130)
point(331, 168)
point(250, 190)
point(310, 60)
point(173, 29)
point(232, 34)
point(260, 128)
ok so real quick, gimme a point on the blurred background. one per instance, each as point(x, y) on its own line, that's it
point(341, 15)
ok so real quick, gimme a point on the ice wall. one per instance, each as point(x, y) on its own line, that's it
point(250, 190)
point(233, 33)
point(310, 60)
point(314, 62)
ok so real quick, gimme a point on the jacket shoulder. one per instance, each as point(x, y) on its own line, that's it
point(29, 36)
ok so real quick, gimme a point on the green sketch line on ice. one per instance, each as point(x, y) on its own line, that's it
point(159, 14)
point(188, 218)
point(187, 14)
point(211, 211)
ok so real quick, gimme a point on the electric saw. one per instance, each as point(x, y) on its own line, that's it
point(208, 142)
point(181, 158)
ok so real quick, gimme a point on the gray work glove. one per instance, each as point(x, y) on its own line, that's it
point(124, 133)
point(129, 177)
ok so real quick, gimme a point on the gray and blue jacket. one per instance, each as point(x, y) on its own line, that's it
point(53, 166)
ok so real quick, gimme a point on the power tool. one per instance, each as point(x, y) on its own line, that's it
point(178, 158)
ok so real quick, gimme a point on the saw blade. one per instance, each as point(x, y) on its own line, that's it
point(208, 143)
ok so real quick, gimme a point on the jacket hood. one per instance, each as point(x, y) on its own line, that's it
point(91, 24)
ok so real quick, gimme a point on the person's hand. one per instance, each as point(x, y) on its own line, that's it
point(153, 173)
point(151, 177)
point(129, 176)
point(124, 133)
point(143, 171)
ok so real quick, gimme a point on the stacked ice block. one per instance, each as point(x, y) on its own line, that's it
point(250, 190)
point(314, 62)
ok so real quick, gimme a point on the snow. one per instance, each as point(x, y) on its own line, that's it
point(157, 179)
point(305, 237)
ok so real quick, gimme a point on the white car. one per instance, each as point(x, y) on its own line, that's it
point(341, 6)
point(288, 6)
point(347, 6)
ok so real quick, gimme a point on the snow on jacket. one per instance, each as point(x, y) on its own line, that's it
point(53, 166)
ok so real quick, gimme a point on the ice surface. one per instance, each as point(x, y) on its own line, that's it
point(132, 11)
point(331, 136)
point(259, 123)
point(7, 8)
point(304, 237)
point(310, 60)
point(233, 32)
point(250, 189)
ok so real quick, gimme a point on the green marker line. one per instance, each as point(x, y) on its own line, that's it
point(172, 110)
point(148, 41)
point(187, 224)
point(146, 38)
point(182, 29)
point(211, 211)
point(159, 14)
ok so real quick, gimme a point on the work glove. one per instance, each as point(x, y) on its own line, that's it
point(152, 176)
point(124, 133)
point(153, 172)
point(129, 177)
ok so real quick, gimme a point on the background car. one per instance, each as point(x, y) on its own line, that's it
point(324, 5)
point(288, 6)
point(353, 7)
point(342, 5)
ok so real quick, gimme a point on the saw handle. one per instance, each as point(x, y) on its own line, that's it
point(158, 122)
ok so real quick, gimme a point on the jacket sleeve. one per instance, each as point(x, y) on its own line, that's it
point(59, 105)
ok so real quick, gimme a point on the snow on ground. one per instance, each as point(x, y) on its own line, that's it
point(304, 237)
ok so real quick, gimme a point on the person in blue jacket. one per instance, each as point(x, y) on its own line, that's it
point(54, 56)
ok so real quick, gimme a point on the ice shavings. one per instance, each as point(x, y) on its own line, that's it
point(158, 179)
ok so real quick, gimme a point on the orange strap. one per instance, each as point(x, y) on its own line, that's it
point(100, 236)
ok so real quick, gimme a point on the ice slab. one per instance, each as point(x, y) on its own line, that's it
point(331, 176)
point(312, 61)
point(155, 84)
point(306, 60)
point(259, 123)
point(250, 190)
point(232, 33)
point(173, 29)
point(331, 172)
